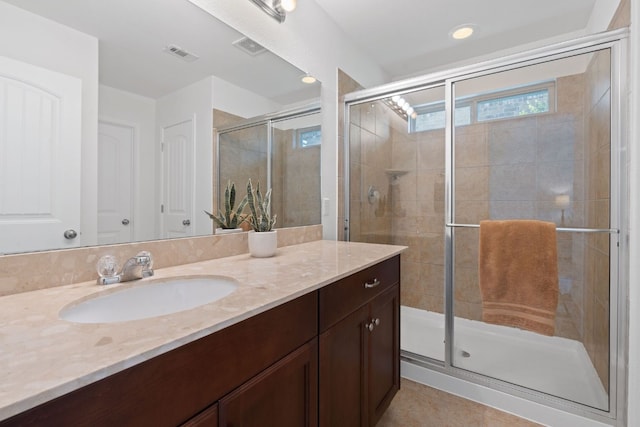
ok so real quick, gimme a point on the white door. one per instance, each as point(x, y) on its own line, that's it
point(40, 133)
point(115, 183)
point(178, 180)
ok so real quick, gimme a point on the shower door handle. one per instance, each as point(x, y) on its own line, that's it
point(375, 282)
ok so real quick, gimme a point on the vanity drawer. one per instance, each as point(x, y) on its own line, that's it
point(339, 299)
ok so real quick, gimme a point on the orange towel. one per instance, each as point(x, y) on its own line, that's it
point(518, 269)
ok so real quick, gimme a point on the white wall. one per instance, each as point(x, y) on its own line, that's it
point(139, 112)
point(38, 41)
point(239, 101)
point(311, 41)
point(193, 101)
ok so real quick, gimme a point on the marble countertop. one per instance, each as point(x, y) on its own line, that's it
point(43, 357)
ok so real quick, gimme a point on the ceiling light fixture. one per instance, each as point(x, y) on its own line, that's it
point(288, 5)
point(277, 9)
point(462, 31)
point(308, 79)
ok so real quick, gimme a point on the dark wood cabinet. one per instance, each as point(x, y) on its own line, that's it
point(284, 395)
point(359, 346)
point(329, 358)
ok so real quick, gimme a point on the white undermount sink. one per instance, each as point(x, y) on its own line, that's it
point(151, 299)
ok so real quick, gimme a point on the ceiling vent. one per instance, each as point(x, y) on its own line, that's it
point(180, 53)
point(249, 47)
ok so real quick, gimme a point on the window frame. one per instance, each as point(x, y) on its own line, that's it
point(474, 100)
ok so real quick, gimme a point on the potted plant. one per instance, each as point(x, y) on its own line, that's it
point(230, 220)
point(263, 240)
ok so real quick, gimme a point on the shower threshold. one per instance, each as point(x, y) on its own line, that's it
point(557, 366)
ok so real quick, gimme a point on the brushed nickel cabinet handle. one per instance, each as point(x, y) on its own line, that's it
point(375, 282)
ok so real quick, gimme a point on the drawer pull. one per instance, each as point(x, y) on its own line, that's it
point(376, 321)
point(372, 284)
point(369, 326)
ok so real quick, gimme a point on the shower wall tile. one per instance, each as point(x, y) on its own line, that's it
point(471, 211)
point(431, 150)
point(466, 247)
point(512, 141)
point(595, 297)
point(368, 117)
point(428, 223)
point(553, 178)
point(519, 209)
point(472, 183)
point(430, 191)
point(471, 146)
point(512, 182)
point(432, 248)
point(556, 142)
point(432, 279)
point(412, 292)
point(405, 188)
point(404, 155)
point(572, 89)
point(467, 287)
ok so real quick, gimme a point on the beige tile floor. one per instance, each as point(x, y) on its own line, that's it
point(417, 405)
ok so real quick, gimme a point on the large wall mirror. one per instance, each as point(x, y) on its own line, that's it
point(107, 116)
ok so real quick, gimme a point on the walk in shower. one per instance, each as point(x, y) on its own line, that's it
point(534, 136)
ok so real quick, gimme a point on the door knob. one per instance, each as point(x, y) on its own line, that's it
point(186, 222)
point(125, 221)
point(70, 234)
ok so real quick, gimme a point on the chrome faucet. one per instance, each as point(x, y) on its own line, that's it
point(137, 267)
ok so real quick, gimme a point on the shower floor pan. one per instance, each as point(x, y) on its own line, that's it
point(553, 365)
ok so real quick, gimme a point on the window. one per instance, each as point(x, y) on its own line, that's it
point(309, 137)
point(433, 117)
point(521, 104)
point(513, 103)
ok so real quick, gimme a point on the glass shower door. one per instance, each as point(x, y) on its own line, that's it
point(242, 154)
point(534, 143)
point(396, 196)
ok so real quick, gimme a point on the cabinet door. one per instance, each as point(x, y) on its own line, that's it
point(284, 395)
point(342, 379)
point(384, 353)
point(206, 418)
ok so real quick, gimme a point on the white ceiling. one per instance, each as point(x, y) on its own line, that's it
point(408, 36)
point(404, 37)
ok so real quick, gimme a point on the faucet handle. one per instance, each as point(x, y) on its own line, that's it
point(146, 260)
point(108, 268)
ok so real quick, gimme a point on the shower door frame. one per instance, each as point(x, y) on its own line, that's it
point(268, 120)
point(617, 42)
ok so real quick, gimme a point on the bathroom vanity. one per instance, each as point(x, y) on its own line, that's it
point(321, 348)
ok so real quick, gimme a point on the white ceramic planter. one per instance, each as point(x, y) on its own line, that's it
point(263, 244)
point(228, 230)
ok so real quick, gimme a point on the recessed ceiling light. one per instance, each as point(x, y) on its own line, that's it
point(308, 79)
point(462, 31)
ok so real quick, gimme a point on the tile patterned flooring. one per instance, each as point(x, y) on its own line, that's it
point(417, 405)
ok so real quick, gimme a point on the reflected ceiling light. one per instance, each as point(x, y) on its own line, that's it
point(462, 31)
point(308, 79)
point(273, 8)
point(395, 98)
point(288, 5)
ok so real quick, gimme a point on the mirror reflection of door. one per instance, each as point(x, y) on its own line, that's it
point(40, 123)
point(178, 176)
point(115, 182)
